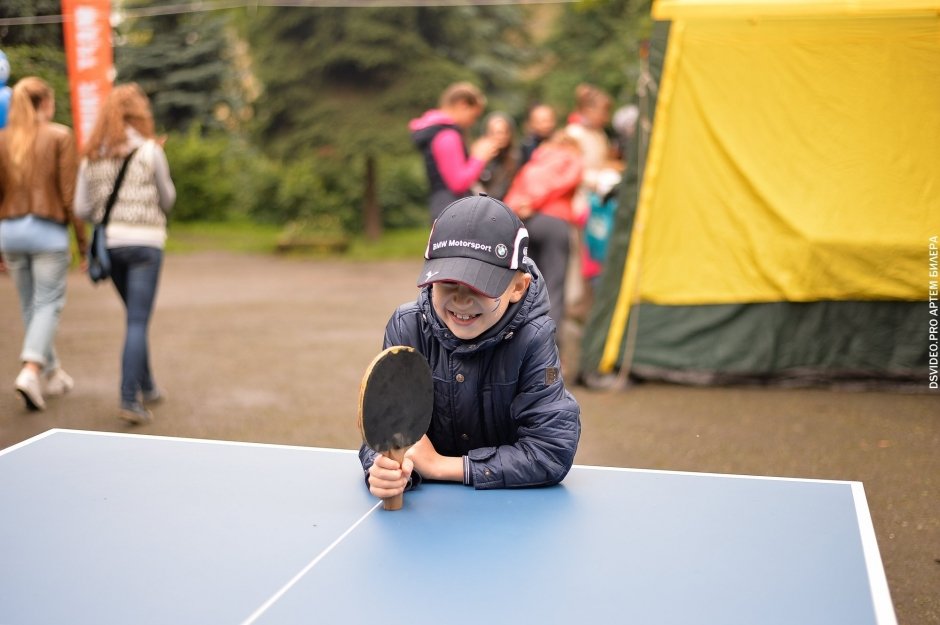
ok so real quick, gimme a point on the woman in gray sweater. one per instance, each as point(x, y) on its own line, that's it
point(136, 230)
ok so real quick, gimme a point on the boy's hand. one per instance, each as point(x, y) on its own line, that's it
point(433, 465)
point(387, 478)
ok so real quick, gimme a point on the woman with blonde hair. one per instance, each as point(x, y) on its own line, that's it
point(136, 228)
point(37, 184)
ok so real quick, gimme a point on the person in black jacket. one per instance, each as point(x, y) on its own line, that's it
point(502, 415)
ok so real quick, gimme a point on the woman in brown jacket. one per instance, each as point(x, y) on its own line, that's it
point(38, 163)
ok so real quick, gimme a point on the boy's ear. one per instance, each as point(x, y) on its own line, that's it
point(520, 285)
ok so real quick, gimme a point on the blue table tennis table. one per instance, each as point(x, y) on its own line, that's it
point(128, 529)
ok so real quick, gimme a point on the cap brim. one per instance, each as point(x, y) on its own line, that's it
point(488, 279)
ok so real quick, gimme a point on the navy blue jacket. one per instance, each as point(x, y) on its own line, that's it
point(499, 400)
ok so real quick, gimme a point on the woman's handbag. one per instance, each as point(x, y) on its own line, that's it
point(99, 263)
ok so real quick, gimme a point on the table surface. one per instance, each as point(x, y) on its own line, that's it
point(117, 528)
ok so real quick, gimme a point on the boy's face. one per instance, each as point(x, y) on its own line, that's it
point(468, 313)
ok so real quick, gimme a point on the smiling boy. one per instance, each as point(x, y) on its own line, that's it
point(502, 416)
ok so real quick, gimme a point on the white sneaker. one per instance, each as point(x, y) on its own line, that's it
point(27, 385)
point(57, 382)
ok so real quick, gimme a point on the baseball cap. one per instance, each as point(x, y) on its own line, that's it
point(477, 241)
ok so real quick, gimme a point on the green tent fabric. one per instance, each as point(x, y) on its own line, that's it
point(822, 341)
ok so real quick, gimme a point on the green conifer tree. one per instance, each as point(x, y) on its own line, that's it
point(182, 61)
point(342, 83)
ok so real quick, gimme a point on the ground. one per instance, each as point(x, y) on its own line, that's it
point(269, 349)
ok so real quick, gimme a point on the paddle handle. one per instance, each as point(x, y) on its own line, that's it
point(395, 502)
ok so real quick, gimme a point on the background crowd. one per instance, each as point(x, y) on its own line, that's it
point(560, 176)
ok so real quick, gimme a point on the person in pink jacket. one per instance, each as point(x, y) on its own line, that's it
point(452, 169)
point(542, 195)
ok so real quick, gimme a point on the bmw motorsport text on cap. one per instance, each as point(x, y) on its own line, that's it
point(477, 241)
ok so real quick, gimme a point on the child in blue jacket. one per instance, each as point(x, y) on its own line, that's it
point(502, 416)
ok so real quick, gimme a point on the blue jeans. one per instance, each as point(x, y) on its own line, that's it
point(40, 279)
point(135, 271)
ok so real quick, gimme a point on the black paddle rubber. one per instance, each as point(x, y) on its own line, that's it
point(396, 399)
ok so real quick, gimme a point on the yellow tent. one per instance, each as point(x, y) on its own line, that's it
point(794, 157)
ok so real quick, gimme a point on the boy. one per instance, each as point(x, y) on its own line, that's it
point(502, 417)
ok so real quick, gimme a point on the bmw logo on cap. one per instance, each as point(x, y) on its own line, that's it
point(502, 250)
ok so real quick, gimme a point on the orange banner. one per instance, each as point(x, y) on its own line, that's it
point(87, 25)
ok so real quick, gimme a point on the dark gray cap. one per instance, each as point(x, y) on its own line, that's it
point(477, 241)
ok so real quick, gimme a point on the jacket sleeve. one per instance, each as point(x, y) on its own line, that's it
point(83, 205)
point(67, 168)
point(166, 191)
point(548, 422)
point(458, 171)
point(551, 174)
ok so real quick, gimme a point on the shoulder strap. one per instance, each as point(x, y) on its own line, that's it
point(117, 187)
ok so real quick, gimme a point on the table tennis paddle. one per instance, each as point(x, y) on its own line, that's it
point(396, 399)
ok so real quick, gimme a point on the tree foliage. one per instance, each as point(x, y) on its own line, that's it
point(327, 122)
point(37, 49)
point(30, 34)
point(344, 82)
point(339, 86)
point(595, 41)
point(183, 62)
point(47, 63)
